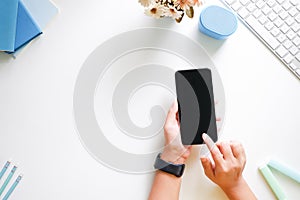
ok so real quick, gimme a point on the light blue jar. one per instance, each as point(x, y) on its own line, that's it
point(217, 22)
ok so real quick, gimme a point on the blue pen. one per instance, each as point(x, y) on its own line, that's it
point(284, 169)
point(11, 189)
point(4, 169)
point(8, 179)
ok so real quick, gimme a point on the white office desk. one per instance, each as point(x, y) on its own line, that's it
point(36, 107)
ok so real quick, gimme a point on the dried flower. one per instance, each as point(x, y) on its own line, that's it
point(146, 3)
point(195, 2)
point(190, 12)
point(174, 13)
point(157, 11)
point(170, 8)
point(183, 4)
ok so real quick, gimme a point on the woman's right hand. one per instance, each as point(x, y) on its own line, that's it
point(226, 171)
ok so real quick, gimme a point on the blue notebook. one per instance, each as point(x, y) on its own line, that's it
point(27, 29)
point(42, 11)
point(8, 21)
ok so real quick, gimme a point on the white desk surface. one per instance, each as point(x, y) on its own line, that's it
point(36, 111)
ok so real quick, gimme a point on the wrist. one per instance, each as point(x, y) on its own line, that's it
point(173, 157)
point(234, 191)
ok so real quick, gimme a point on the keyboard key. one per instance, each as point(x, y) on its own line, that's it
point(272, 16)
point(286, 5)
point(295, 27)
point(281, 38)
point(257, 13)
point(277, 9)
point(297, 72)
point(287, 44)
point(266, 10)
point(289, 21)
point(281, 51)
point(251, 7)
point(260, 4)
point(271, 3)
point(266, 36)
point(293, 11)
point(278, 22)
point(283, 14)
point(236, 6)
point(269, 25)
point(293, 65)
point(298, 56)
point(297, 18)
point(294, 50)
point(288, 58)
point(291, 34)
point(262, 19)
point(244, 2)
point(275, 32)
point(296, 41)
point(284, 28)
point(243, 12)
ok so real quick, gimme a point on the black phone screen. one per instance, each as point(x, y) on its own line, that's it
point(196, 108)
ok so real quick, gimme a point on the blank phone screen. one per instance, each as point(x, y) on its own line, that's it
point(196, 105)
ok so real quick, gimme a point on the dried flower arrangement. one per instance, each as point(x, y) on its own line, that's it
point(170, 8)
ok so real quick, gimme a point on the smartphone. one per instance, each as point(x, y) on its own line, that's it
point(196, 105)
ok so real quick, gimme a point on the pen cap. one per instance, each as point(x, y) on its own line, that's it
point(217, 22)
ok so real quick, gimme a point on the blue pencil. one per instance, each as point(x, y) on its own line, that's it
point(12, 188)
point(4, 169)
point(8, 179)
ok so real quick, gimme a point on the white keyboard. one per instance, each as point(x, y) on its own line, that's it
point(276, 23)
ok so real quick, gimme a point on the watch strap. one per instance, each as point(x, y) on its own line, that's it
point(168, 167)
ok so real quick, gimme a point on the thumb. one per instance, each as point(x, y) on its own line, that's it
point(207, 166)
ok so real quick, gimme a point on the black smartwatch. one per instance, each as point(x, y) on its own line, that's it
point(168, 167)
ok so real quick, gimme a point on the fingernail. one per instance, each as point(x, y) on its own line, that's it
point(203, 159)
point(204, 136)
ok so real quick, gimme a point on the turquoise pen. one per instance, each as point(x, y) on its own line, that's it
point(12, 188)
point(4, 169)
point(282, 168)
point(8, 179)
point(272, 182)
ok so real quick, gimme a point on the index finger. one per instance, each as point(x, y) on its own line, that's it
point(214, 150)
point(171, 116)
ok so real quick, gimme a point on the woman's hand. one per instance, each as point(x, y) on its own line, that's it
point(174, 151)
point(226, 171)
point(165, 185)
